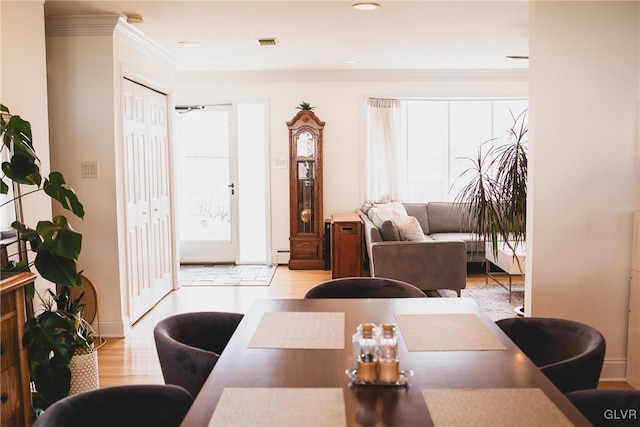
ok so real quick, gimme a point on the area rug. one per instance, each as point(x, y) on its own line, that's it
point(226, 275)
point(493, 298)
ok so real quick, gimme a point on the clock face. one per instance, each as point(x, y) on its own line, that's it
point(306, 145)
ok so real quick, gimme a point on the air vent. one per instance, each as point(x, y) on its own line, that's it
point(267, 42)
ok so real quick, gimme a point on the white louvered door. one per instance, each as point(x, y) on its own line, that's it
point(146, 181)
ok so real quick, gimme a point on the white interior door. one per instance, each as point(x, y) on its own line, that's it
point(146, 168)
point(160, 196)
point(207, 202)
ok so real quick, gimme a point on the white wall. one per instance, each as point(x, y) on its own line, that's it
point(86, 65)
point(23, 88)
point(584, 175)
point(340, 99)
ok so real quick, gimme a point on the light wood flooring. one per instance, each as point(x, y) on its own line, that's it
point(133, 359)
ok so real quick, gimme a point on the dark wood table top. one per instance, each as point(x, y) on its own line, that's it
point(240, 366)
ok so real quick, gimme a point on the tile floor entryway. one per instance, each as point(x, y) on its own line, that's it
point(225, 274)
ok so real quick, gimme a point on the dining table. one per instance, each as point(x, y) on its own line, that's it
point(290, 362)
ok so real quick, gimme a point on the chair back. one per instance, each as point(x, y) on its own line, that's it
point(570, 353)
point(189, 345)
point(152, 405)
point(364, 287)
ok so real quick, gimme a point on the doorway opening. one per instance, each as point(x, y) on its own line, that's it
point(222, 184)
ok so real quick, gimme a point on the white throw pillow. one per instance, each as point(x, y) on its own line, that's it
point(408, 227)
point(389, 208)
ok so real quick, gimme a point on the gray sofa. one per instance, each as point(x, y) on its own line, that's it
point(437, 262)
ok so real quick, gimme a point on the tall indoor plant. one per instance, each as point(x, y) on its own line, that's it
point(56, 330)
point(496, 195)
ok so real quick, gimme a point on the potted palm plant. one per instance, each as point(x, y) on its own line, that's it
point(55, 332)
point(496, 195)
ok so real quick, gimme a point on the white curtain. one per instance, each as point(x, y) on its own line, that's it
point(385, 173)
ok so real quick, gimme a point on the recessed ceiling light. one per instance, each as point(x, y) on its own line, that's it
point(365, 6)
point(189, 43)
point(350, 61)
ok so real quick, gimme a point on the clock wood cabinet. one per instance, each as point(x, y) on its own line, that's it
point(306, 220)
point(15, 394)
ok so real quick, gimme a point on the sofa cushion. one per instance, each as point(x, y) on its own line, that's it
point(419, 210)
point(447, 217)
point(388, 229)
point(389, 208)
point(365, 208)
point(408, 227)
point(470, 239)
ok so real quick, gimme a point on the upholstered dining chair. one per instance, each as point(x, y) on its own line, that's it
point(149, 405)
point(605, 407)
point(189, 345)
point(569, 353)
point(364, 287)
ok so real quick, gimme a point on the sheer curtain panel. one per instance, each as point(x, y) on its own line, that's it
point(386, 154)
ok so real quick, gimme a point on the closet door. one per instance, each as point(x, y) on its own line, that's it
point(160, 227)
point(146, 168)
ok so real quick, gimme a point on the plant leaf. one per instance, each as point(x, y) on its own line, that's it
point(28, 235)
point(57, 269)
point(22, 170)
point(4, 187)
point(58, 189)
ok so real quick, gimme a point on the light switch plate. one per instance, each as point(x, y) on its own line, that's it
point(89, 169)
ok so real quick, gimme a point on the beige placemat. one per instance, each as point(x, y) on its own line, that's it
point(280, 407)
point(299, 330)
point(493, 407)
point(446, 332)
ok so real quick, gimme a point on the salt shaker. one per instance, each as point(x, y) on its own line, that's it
point(368, 355)
point(389, 362)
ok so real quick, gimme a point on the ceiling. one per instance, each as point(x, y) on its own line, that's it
point(322, 35)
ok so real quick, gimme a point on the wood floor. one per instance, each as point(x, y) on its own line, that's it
point(133, 359)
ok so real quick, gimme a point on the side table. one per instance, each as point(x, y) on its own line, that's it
point(506, 261)
point(346, 245)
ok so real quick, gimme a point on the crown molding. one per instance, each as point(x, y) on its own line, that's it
point(129, 34)
point(278, 76)
point(106, 25)
point(80, 25)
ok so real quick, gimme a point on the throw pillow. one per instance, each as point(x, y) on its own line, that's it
point(387, 227)
point(408, 227)
point(389, 208)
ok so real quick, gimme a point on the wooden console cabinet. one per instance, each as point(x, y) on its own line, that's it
point(15, 394)
point(346, 245)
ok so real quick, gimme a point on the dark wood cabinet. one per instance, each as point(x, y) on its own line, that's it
point(346, 245)
point(305, 192)
point(15, 394)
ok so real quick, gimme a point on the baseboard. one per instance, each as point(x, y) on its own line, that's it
point(614, 370)
point(114, 329)
point(279, 257)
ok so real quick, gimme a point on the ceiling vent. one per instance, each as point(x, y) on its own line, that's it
point(267, 42)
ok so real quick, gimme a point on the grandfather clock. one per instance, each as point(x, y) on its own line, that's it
point(305, 192)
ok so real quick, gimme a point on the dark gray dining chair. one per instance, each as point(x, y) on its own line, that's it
point(364, 287)
point(569, 353)
point(148, 405)
point(189, 345)
point(605, 407)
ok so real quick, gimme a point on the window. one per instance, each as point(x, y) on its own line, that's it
point(439, 137)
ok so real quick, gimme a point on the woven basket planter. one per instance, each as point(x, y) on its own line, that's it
point(84, 370)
